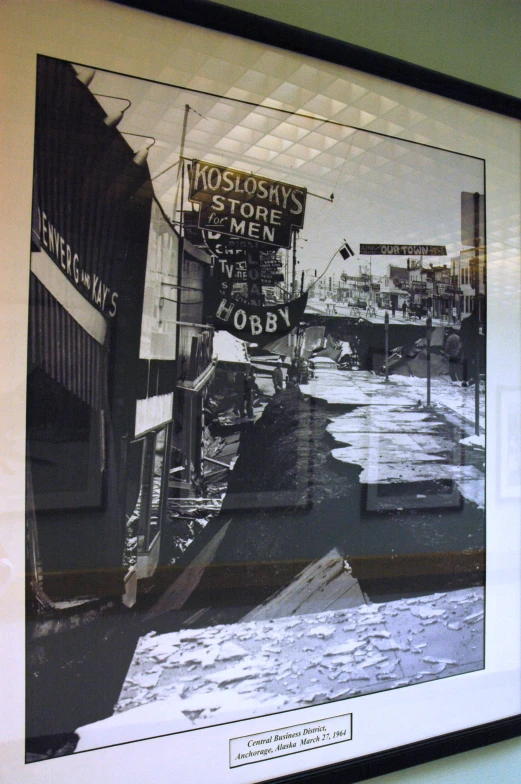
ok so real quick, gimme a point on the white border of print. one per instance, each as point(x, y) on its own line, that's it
point(116, 38)
point(509, 472)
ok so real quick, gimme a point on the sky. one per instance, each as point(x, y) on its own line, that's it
point(386, 190)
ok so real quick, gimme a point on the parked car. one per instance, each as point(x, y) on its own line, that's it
point(322, 363)
point(416, 310)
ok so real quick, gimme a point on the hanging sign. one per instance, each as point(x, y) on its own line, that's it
point(236, 262)
point(377, 249)
point(259, 324)
point(246, 205)
point(253, 278)
point(271, 278)
point(229, 273)
point(233, 250)
point(224, 246)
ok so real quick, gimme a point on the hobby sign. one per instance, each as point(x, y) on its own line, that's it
point(259, 324)
point(245, 205)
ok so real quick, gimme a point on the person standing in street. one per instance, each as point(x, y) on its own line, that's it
point(249, 391)
point(454, 314)
point(238, 383)
point(278, 378)
point(404, 310)
point(453, 351)
point(292, 379)
point(469, 335)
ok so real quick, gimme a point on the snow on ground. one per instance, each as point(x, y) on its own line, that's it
point(444, 393)
point(402, 446)
point(391, 437)
point(478, 441)
point(357, 387)
point(200, 677)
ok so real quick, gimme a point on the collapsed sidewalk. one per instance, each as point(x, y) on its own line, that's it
point(200, 677)
point(396, 440)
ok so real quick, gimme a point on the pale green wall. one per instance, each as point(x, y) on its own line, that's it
point(476, 40)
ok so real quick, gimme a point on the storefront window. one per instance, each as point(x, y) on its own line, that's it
point(65, 446)
point(151, 483)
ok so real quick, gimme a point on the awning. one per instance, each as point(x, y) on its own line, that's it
point(229, 349)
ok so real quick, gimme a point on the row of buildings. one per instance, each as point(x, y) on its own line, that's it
point(435, 287)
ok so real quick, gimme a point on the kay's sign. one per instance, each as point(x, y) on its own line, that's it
point(245, 205)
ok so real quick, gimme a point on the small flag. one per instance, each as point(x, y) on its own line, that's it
point(345, 251)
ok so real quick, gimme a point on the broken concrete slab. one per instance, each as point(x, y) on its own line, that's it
point(286, 663)
point(322, 585)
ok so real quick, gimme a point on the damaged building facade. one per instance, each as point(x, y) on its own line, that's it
point(105, 387)
point(119, 360)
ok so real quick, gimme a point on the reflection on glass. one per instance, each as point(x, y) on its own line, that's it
point(268, 350)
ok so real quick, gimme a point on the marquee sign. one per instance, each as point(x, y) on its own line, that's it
point(232, 256)
point(224, 246)
point(377, 249)
point(245, 205)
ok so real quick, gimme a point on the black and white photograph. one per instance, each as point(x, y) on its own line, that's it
point(256, 380)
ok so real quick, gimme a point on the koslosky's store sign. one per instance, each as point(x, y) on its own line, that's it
point(245, 205)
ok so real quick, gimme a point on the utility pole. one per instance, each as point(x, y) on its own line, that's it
point(181, 171)
point(294, 272)
point(286, 271)
point(386, 322)
point(428, 335)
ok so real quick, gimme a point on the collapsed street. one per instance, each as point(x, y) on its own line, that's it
point(403, 502)
point(196, 677)
point(353, 515)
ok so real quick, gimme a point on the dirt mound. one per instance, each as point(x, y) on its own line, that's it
point(286, 450)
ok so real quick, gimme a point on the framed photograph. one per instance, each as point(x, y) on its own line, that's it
point(260, 464)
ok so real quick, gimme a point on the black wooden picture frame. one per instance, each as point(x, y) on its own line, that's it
point(214, 17)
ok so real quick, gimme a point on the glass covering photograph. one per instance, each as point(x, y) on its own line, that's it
point(255, 404)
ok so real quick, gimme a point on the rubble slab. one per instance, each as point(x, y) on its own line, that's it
point(200, 677)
